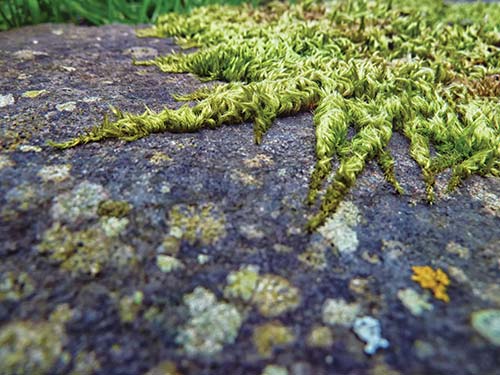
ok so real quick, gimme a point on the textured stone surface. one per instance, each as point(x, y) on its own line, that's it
point(216, 203)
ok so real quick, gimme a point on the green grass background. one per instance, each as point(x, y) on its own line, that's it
point(16, 13)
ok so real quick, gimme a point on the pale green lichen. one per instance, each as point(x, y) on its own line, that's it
point(85, 363)
point(31, 94)
point(314, 256)
point(86, 251)
point(31, 348)
point(212, 324)
point(270, 335)
point(202, 224)
point(274, 370)
point(414, 301)
point(376, 67)
point(487, 324)
point(167, 263)
point(113, 226)
point(271, 294)
point(15, 286)
point(81, 203)
point(55, 173)
point(320, 337)
point(339, 312)
point(339, 228)
point(5, 162)
point(6, 100)
point(67, 107)
point(130, 306)
point(457, 249)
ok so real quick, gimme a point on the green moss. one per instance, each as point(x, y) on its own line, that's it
point(426, 70)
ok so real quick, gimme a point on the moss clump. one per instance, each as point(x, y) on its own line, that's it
point(202, 224)
point(427, 70)
point(113, 208)
point(31, 348)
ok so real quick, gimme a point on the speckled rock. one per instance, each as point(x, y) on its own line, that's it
point(125, 233)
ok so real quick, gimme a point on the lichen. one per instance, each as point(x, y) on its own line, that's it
point(164, 368)
point(55, 173)
point(85, 363)
point(6, 100)
point(339, 312)
point(320, 337)
point(377, 67)
point(15, 286)
point(271, 294)
point(81, 203)
point(487, 324)
point(274, 370)
point(85, 251)
point(212, 324)
point(114, 208)
point(368, 329)
point(435, 280)
point(130, 306)
point(31, 94)
point(339, 228)
point(5, 162)
point(201, 224)
point(167, 263)
point(31, 348)
point(413, 301)
point(270, 335)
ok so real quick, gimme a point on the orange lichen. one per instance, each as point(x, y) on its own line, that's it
point(435, 280)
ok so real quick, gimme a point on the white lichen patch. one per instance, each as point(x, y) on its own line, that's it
point(251, 231)
point(338, 229)
point(6, 100)
point(274, 370)
point(68, 106)
point(212, 324)
point(5, 162)
point(457, 249)
point(271, 294)
point(28, 54)
point(487, 324)
point(32, 94)
point(368, 330)
point(55, 173)
point(78, 204)
point(339, 312)
point(258, 161)
point(167, 263)
point(113, 226)
point(414, 301)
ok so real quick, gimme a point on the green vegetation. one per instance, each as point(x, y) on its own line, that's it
point(426, 70)
point(16, 13)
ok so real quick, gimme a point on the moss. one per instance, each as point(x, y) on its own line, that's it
point(86, 251)
point(377, 67)
point(31, 348)
point(201, 224)
point(15, 286)
point(113, 208)
point(268, 336)
point(212, 324)
point(271, 294)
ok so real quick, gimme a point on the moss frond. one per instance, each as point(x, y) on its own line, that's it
point(426, 70)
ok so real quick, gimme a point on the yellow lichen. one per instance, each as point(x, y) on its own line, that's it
point(435, 280)
point(270, 335)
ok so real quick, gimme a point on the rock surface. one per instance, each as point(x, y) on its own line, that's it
point(130, 257)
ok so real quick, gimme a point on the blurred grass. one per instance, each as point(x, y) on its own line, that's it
point(16, 13)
